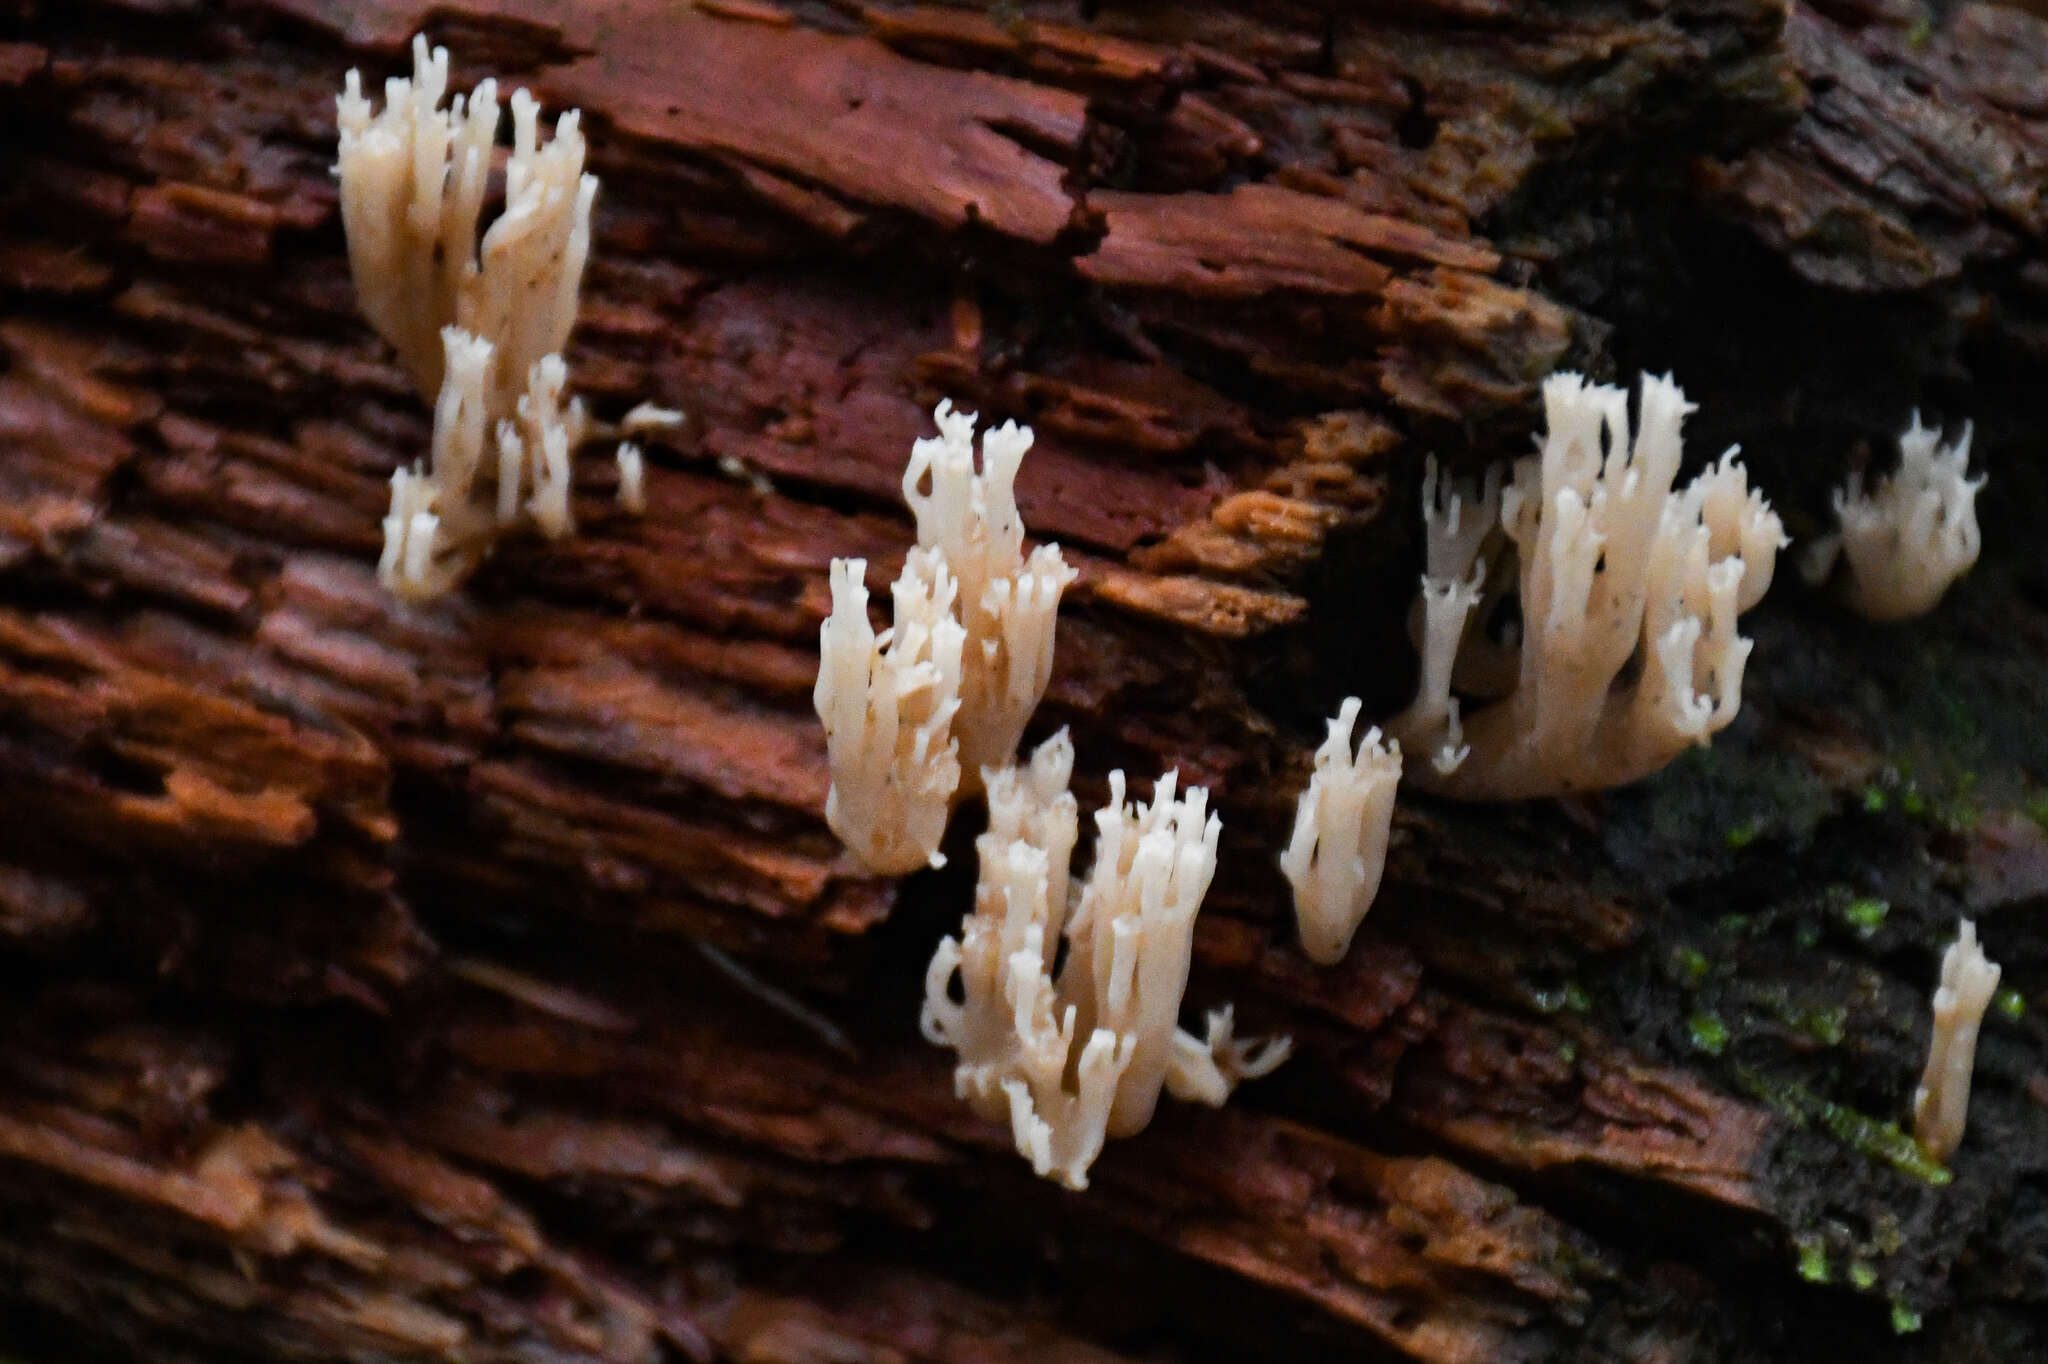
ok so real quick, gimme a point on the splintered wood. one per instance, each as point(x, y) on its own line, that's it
point(479, 979)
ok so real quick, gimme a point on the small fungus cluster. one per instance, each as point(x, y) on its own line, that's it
point(1626, 651)
point(914, 713)
point(478, 324)
point(933, 708)
point(1341, 826)
point(1074, 1055)
point(1905, 541)
point(1628, 591)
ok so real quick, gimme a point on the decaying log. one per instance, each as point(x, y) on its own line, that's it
point(479, 980)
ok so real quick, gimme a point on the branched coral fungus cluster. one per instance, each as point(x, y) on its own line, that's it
point(479, 324)
point(1341, 825)
point(1074, 1056)
point(916, 716)
point(1905, 541)
point(913, 714)
point(1063, 1004)
point(1629, 590)
point(1062, 1000)
point(933, 708)
point(1627, 652)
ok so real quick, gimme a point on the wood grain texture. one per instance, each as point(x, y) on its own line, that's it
point(479, 981)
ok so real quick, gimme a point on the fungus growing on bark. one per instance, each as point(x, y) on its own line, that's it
point(1339, 847)
point(1906, 541)
point(632, 478)
point(1008, 603)
point(437, 531)
point(643, 419)
point(646, 417)
point(1072, 1057)
point(888, 702)
point(1941, 1105)
point(479, 323)
point(899, 748)
point(1627, 651)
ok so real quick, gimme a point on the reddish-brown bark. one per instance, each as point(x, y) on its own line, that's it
point(360, 1008)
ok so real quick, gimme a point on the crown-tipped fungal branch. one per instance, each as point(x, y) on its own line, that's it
point(1941, 1105)
point(1905, 541)
point(1008, 602)
point(1339, 848)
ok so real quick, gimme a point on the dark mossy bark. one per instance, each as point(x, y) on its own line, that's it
point(480, 982)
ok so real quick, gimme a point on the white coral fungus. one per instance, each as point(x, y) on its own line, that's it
point(1003, 606)
point(526, 455)
point(1072, 1059)
point(413, 178)
point(1908, 539)
point(888, 703)
point(1339, 847)
point(1628, 589)
point(643, 419)
point(1941, 1106)
point(646, 417)
point(479, 323)
point(1008, 602)
point(632, 478)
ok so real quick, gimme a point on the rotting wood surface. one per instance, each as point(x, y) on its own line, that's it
point(356, 1004)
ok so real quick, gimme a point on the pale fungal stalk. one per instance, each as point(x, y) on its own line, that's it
point(1907, 540)
point(1071, 1060)
point(1341, 824)
point(1206, 1069)
point(632, 478)
point(1005, 607)
point(1629, 592)
point(1458, 519)
point(643, 419)
point(1133, 936)
point(480, 322)
point(888, 703)
point(527, 450)
point(1003, 1028)
point(533, 450)
point(1941, 1105)
point(646, 417)
point(411, 531)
